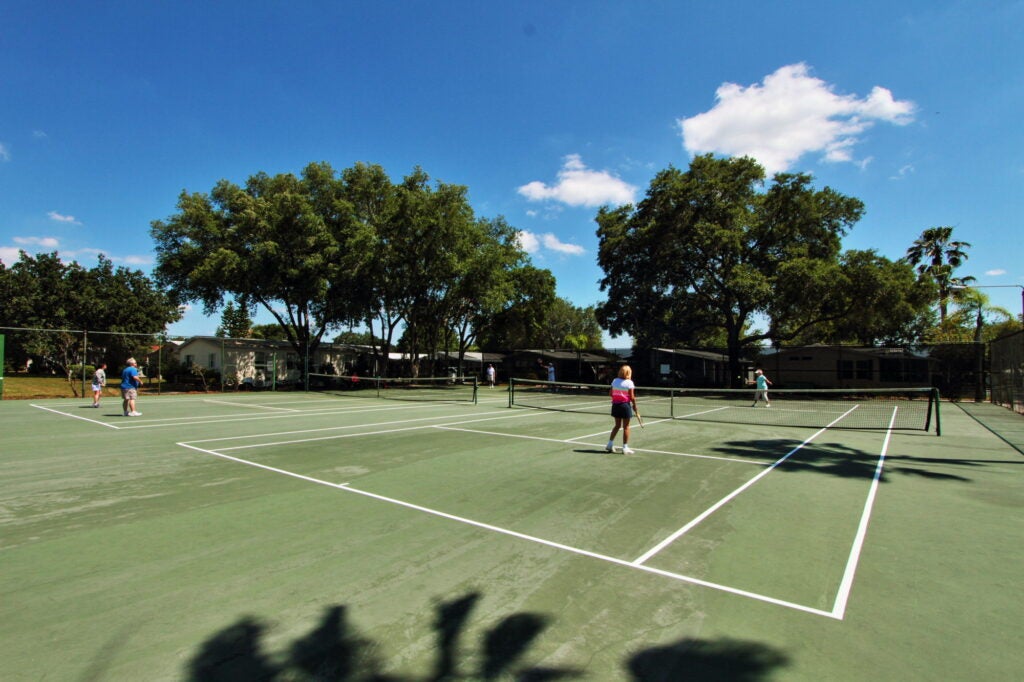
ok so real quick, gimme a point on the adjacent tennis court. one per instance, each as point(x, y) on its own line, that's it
point(369, 531)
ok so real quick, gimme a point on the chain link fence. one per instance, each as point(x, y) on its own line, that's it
point(960, 371)
point(1007, 371)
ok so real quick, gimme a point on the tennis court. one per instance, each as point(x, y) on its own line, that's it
point(358, 536)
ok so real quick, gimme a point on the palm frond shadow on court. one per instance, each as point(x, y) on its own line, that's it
point(837, 459)
point(333, 650)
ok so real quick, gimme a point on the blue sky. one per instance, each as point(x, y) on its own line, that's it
point(544, 110)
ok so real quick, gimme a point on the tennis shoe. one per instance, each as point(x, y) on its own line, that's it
point(134, 414)
point(626, 450)
point(610, 447)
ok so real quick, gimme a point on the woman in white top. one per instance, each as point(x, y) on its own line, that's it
point(99, 380)
point(623, 406)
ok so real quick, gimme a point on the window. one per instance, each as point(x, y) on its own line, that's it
point(855, 369)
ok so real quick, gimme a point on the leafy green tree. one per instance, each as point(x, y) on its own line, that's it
point(706, 250)
point(354, 338)
point(887, 303)
point(270, 332)
point(973, 320)
point(518, 324)
point(235, 322)
point(937, 255)
point(284, 243)
point(117, 307)
point(483, 284)
point(564, 320)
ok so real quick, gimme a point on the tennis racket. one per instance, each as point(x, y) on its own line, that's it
point(639, 419)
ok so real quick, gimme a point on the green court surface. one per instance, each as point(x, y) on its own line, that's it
point(291, 536)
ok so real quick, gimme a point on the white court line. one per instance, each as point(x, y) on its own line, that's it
point(576, 441)
point(230, 418)
point(253, 405)
point(846, 585)
point(697, 414)
point(327, 428)
point(75, 416)
point(650, 422)
point(299, 441)
point(522, 536)
point(725, 500)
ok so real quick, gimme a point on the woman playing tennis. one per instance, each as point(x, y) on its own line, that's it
point(623, 405)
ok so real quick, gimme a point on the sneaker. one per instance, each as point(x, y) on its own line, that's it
point(610, 447)
point(626, 450)
point(134, 414)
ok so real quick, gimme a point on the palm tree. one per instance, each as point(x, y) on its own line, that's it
point(936, 255)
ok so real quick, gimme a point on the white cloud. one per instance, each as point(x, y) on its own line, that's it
point(132, 260)
point(552, 242)
point(903, 172)
point(995, 273)
point(70, 219)
point(789, 114)
point(579, 186)
point(9, 255)
point(533, 243)
point(45, 242)
point(528, 241)
point(39, 134)
point(4, 154)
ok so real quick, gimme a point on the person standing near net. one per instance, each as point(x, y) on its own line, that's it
point(491, 375)
point(623, 405)
point(99, 380)
point(130, 383)
point(761, 392)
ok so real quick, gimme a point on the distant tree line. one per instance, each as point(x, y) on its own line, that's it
point(713, 256)
point(41, 292)
point(327, 251)
point(711, 253)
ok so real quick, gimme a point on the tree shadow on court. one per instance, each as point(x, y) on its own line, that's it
point(838, 459)
point(706, 660)
point(334, 650)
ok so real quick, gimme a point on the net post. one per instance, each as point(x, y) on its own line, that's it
point(476, 385)
point(511, 391)
point(938, 421)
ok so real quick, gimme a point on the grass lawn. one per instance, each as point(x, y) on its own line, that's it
point(33, 386)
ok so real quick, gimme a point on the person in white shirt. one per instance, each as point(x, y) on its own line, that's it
point(99, 380)
point(623, 406)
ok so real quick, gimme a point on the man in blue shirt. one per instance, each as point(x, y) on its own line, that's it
point(130, 383)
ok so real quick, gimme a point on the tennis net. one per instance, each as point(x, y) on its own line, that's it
point(450, 389)
point(863, 408)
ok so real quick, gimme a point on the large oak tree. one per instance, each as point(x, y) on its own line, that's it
point(711, 250)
